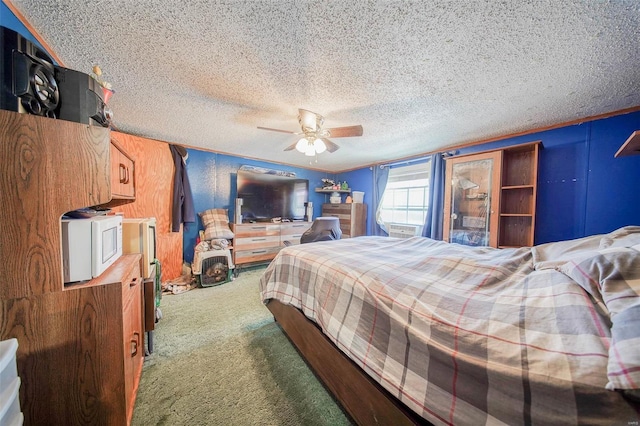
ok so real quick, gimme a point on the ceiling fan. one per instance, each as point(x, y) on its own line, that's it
point(315, 139)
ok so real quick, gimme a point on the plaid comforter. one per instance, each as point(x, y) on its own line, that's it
point(461, 335)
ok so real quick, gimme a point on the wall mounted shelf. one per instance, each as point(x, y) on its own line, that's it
point(329, 191)
point(631, 146)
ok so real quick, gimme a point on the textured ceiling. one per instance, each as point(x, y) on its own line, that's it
point(418, 75)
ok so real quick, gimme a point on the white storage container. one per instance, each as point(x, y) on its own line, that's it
point(10, 414)
point(358, 196)
point(8, 368)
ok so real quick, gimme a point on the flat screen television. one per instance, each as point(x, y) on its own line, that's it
point(267, 196)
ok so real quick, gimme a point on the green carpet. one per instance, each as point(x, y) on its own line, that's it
point(220, 359)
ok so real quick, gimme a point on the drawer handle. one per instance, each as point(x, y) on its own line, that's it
point(135, 342)
point(124, 178)
point(133, 282)
point(258, 239)
point(258, 251)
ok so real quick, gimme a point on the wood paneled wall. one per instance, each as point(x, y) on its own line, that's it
point(154, 173)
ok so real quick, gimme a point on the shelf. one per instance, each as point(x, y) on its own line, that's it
point(517, 187)
point(329, 191)
point(631, 146)
point(515, 215)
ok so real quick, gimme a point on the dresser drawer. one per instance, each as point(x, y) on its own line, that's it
point(295, 228)
point(131, 284)
point(255, 229)
point(292, 232)
point(256, 255)
point(341, 209)
point(251, 243)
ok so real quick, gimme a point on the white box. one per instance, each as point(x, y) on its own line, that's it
point(10, 414)
point(8, 368)
point(358, 196)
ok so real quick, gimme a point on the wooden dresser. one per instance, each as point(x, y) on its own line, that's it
point(80, 347)
point(260, 242)
point(353, 217)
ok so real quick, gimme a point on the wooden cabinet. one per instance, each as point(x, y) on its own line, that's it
point(472, 199)
point(260, 242)
point(74, 354)
point(132, 336)
point(126, 316)
point(490, 197)
point(353, 217)
point(518, 193)
point(122, 176)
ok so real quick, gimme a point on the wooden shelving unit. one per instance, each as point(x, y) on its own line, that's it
point(491, 198)
point(518, 195)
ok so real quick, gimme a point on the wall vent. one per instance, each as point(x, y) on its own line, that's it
point(402, 230)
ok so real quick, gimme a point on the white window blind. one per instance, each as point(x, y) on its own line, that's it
point(406, 196)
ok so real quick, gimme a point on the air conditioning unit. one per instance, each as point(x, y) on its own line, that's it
point(402, 230)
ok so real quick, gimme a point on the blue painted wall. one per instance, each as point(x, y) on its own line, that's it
point(213, 184)
point(9, 20)
point(582, 189)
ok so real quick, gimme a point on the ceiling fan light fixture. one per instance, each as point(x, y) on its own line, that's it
point(311, 151)
point(302, 145)
point(315, 140)
point(319, 146)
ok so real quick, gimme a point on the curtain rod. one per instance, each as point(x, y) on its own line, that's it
point(412, 160)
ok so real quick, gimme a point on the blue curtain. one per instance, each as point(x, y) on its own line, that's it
point(433, 223)
point(380, 176)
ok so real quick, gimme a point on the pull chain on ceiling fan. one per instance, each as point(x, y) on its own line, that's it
point(315, 139)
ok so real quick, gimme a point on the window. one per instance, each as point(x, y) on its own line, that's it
point(406, 196)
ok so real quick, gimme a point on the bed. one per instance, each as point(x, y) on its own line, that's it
point(408, 331)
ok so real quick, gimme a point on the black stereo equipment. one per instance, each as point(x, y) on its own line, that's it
point(32, 84)
point(27, 77)
point(81, 98)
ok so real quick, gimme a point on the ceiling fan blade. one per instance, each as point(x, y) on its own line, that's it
point(275, 130)
point(292, 146)
point(345, 132)
point(331, 147)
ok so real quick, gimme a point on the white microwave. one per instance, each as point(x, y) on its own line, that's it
point(90, 246)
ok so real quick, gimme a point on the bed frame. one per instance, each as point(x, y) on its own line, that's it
point(361, 397)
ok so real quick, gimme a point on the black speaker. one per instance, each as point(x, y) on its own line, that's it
point(81, 98)
point(28, 83)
